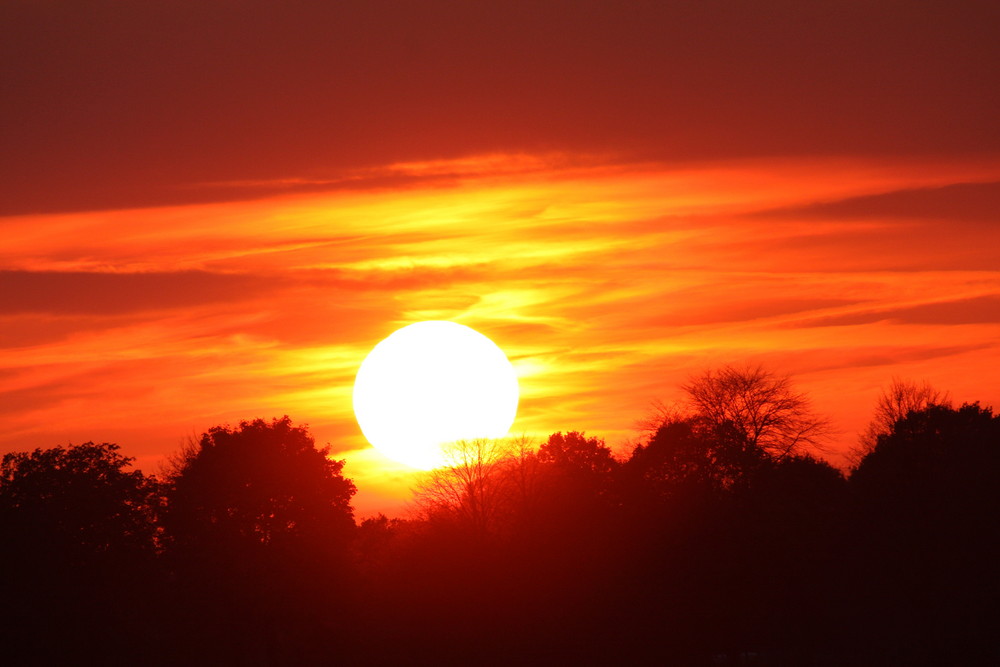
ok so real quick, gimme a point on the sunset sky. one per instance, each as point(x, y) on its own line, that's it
point(212, 211)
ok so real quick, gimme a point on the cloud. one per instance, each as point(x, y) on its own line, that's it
point(976, 310)
point(956, 203)
point(33, 329)
point(16, 404)
point(75, 293)
point(716, 310)
point(606, 288)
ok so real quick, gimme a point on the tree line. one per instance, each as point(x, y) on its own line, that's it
point(720, 538)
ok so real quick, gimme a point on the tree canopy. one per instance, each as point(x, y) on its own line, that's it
point(761, 406)
point(260, 483)
point(81, 499)
point(895, 402)
point(715, 540)
point(78, 529)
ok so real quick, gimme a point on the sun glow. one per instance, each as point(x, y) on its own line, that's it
point(431, 383)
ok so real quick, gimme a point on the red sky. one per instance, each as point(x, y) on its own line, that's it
point(212, 211)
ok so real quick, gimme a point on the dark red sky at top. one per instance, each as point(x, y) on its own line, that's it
point(110, 104)
point(211, 211)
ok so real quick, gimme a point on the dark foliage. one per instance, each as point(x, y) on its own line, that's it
point(702, 547)
point(895, 402)
point(261, 485)
point(928, 519)
point(81, 501)
point(693, 456)
point(257, 533)
point(77, 566)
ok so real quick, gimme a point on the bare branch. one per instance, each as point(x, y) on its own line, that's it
point(761, 406)
point(895, 402)
point(478, 483)
point(660, 413)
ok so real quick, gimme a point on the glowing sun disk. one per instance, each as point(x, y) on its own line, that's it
point(432, 383)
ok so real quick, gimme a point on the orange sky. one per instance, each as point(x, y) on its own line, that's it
point(212, 214)
point(606, 286)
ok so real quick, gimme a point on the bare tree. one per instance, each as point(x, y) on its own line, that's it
point(896, 401)
point(761, 406)
point(523, 473)
point(473, 487)
point(660, 413)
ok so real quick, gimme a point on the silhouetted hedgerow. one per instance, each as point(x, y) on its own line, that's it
point(702, 546)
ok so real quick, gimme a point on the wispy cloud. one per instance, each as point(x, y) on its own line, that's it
point(606, 287)
point(100, 293)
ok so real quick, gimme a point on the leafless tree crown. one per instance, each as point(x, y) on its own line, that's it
point(478, 482)
point(761, 406)
point(895, 402)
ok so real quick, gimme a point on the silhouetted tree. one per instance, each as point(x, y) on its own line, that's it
point(928, 503)
point(729, 542)
point(578, 479)
point(786, 528)
point(895, 402)
point(761, 406)
point(936, 457)
point(455, 559)
point(258, 526)
point(575, 452)
point(473, 488)
point(525, 482)
point(77, 547)
point(260, 484)
point(81, 500)
point(693, 454)
point(375, 540)
point(709, 544)
point(568, 548)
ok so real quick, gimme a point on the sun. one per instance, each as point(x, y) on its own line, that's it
point(431, 383)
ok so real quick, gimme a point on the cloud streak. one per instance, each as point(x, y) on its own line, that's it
point(94, 293)
point(606, 287)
